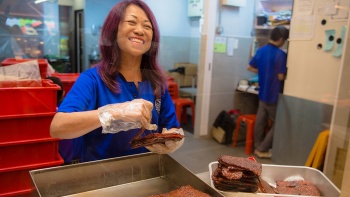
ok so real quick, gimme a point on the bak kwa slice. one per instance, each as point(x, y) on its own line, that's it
point(184, 191)
point(154, 138)
point(241, 163)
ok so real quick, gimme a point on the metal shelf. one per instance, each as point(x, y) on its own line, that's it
point(268, 27)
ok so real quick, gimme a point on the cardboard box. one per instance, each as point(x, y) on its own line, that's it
point(178, 78)
point(190, 69)
point(189, 78)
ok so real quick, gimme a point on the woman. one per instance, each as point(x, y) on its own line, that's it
point(127, 86)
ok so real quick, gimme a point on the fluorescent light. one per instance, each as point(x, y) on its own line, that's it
point(39, 1)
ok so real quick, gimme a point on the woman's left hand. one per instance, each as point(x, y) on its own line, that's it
point(169, 146)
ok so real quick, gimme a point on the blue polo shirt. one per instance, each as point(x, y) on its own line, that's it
point(270, 61)
point(89, 93)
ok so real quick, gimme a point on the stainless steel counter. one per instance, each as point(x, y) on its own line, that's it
point(137, 175)
point(149, 174)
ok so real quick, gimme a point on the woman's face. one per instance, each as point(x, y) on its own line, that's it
point(135, 32)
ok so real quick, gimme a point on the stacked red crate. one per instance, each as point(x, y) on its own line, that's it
point(27, 108)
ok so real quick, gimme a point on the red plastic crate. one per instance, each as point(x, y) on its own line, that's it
point(29, 98)
point(43, 63)
point(68, 79)
point(25, 127)
point(17, 182)
point(25, 153)
point(21, 193)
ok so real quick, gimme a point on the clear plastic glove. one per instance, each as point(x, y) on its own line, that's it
point(125, 116)
point(170, 145)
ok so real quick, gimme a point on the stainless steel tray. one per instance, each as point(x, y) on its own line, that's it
point(272, 173)
point(138, 175)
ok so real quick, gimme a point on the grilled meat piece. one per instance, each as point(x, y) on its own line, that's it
point(231, 174)
point(304, 188)
point(241, 163)
point(154, 138)
point(184, 191)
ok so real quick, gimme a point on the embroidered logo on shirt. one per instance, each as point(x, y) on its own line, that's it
point(157, 103)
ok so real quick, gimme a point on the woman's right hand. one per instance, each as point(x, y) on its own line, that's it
point(125, 116)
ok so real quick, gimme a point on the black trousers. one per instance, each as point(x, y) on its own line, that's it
point(262, 140)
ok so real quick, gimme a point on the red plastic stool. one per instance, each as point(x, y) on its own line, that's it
point(181, 105)
point(250, 120)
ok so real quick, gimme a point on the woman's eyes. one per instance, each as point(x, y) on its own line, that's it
point(133, 23)
point(148, 26)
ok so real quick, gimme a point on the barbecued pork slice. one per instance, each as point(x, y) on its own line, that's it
point(302, 187)
point(154, 138)
point(245, 174)
point(231, 174)
point(242, 163)
point(184, 191)
point(236, 185)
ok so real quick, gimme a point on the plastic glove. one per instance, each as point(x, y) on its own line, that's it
point(125, 116)
point(170, 145)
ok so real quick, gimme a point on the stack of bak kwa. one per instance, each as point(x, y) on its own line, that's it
point(237, 174)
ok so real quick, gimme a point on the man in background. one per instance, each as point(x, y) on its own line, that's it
point(270, 64)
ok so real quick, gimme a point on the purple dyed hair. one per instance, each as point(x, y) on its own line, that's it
point(111, 55)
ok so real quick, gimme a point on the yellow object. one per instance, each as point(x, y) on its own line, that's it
point(218, 134)
point(317, 154)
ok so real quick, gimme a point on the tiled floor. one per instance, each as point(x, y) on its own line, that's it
point(197, 153)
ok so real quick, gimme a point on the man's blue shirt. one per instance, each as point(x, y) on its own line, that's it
point(270, 61)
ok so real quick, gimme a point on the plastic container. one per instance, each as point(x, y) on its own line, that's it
point(273, 173)
point(68, 79)
point(43, 63)
point(17, 181)
point(29, 98)
point(26, 153)
point(25, 127)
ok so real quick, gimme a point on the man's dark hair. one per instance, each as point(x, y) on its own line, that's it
point(279, 32)
point(57, 81)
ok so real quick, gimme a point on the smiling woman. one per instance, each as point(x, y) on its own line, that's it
point(123, 93)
